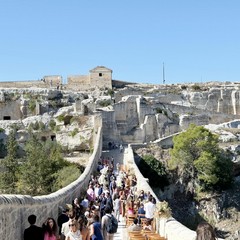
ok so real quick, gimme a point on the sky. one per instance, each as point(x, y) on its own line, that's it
point(198, 41)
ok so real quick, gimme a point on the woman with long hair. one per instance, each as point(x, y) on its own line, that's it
point(50, 229)
point(205, 232)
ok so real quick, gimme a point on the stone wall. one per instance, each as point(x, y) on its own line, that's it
point(78, 82)
point(15, 209)
point(214, 117)
point(169, 228)
point(120, 83)
point(10, 109)
point(101, 76)
point(126, 114)
point(52, 81)
point(23, 84)
point(110, 131)
point(199, 120)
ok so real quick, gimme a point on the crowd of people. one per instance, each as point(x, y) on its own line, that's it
point(111, 192)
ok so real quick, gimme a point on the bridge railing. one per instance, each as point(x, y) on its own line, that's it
point(169, 228)
point(15, 209)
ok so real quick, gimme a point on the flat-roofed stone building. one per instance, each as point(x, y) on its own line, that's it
point(99, 77)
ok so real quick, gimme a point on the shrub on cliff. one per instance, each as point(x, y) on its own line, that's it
point(154, 170)
point(52, 124)
point(198, 160)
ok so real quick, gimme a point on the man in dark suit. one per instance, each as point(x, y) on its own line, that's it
point(33, 232)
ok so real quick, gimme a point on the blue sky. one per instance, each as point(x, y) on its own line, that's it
point(198, 41)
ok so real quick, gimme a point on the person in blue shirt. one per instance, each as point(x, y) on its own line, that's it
point(95, 229)
point(141, 212)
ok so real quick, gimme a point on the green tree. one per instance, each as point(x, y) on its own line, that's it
point(66, 176)
point(42, 161)
point(198, 159)
point(154, 170)
point(9, 166)
point(52, 124)
point(2, 149)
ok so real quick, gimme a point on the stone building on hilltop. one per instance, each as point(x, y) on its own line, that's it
point(100, 77)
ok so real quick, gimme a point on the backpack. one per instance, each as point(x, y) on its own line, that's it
point(112, 225)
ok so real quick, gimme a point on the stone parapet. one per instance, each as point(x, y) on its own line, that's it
point(169, 228)
point(23, 84)
point(15, 209)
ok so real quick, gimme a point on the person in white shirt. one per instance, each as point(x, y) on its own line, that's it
point(74, 233)
point(117, 207)
point(96, 190)
point(65, 227)
point(105, 221)
point(149, 208)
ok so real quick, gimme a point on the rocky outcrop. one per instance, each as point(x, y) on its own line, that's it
point(199, 120)
point(75, 138)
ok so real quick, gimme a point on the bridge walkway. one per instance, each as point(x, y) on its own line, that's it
point(118, 158)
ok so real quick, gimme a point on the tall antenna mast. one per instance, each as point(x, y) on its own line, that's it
point(163, 74)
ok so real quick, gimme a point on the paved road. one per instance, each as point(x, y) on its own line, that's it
point(116, 154)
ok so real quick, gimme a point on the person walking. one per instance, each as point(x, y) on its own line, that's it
point(105, 222)
point(117, 207)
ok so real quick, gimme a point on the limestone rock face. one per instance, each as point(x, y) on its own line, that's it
point(150, 128)
point(54, 94)
point(103, 101)
point(213, 98)
point(126, 114)
point(198, 99)
point(166, 126)
point(80, 142)
point(186, 120)
point(2, 97)
point(88, 106)
point(9, 125)
point(64, 111)
point(45, 118)
point(77, 137)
